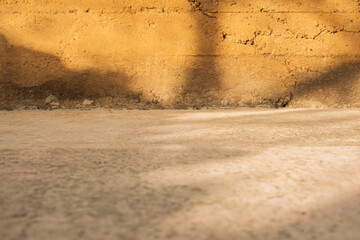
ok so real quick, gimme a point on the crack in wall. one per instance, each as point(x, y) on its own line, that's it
point(196, 6)
point(251, 41)
point(321, 32)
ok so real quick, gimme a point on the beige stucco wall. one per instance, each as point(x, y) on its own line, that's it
point(180, 53)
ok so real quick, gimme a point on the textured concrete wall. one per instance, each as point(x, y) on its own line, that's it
point(181, 53)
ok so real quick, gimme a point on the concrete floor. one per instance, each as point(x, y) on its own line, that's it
point(226, 174)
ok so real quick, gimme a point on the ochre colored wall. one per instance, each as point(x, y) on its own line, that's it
point(181, 53)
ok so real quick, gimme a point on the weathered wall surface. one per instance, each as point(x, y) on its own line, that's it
point(181, 53)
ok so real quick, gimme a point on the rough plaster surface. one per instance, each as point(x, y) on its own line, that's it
point(180, 53)
point(156, 175)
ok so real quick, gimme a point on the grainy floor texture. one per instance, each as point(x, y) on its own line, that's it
point(180, 175)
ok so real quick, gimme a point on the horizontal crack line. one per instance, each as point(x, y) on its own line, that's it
point(161, 11)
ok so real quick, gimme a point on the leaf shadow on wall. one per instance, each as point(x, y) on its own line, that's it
point(202, 77)
point(28, 77)
point(333, 88)
point(337, 86)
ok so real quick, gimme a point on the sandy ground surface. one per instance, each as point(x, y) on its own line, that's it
point(227, 174)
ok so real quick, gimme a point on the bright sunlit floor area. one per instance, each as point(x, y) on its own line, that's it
point(180, 174)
